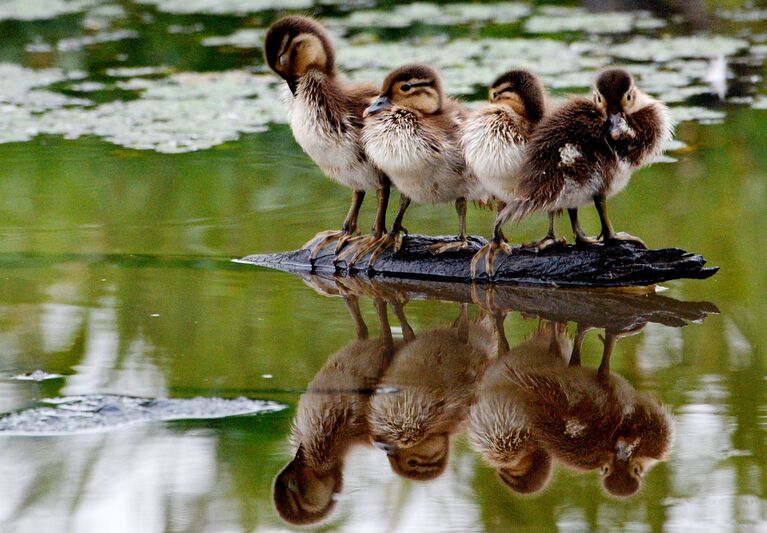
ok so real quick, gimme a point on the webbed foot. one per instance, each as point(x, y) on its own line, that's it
point(323, 238)
point(583, 240)
point(442, 247)
point(488, 252)
point(358, 249)
point(625, 237)
point(546, 242)
point(388, 240)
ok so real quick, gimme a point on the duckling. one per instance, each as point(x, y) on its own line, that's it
point(426, 394)
point(330, 418)
point(586, 150)
point(591, 419)
point(499, 428)
point(326, 118)
point(411, 134)
point(493, 139)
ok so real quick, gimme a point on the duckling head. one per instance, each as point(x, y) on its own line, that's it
point(413, 87)
point(423, 461)
point(296, 44)
point(617, 96)
point(522, 91)
point(622, 473)
point(643, 439)
point(529, 474)
point(303, 496)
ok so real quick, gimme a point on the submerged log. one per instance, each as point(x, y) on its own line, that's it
point(605, 265)
point(611, 310)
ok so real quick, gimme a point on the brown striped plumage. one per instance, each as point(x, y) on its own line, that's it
point(585, 151)
point(326, 116)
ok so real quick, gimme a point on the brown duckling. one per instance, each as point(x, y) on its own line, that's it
point(499, 427)
point(425, 395)
point(326, 117)
point(591, 419)
point(331, 417)
point(411, 134)
point(585, 151)
point(493, 139)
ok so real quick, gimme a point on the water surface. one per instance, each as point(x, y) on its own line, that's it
point(144, 147)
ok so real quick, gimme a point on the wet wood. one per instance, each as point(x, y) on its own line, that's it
point(613, 265)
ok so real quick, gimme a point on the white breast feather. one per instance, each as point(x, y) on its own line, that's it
point(494, 159)
point(415, 169)
point(337, 154)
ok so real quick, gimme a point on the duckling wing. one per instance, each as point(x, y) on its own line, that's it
point(566, 150)
point(651, 128)
point(357, 97)
point(572, 423)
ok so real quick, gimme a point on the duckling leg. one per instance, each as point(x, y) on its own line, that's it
point(608, 233)
point(353, 306)
point(407, 330)
point(395, 235)
point(603, 372)
point(462, 242)
point(490, 250)
point(580, 235)
point(364, 245)
point(580, 333)
point(549, 240)
point(502, 346)
point(319, 241)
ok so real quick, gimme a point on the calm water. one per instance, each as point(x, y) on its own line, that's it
point(118, 289)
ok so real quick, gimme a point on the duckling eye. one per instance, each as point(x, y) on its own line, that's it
point(605, 470)
point(628, 97)
point(637, 471)
point(283, 59)
point(293, 485)
point(405, 87)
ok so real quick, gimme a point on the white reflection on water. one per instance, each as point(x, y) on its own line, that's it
point(144, 480)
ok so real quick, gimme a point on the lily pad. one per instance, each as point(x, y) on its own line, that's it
point(572, 19)
point(42, 9)
point(224, 7)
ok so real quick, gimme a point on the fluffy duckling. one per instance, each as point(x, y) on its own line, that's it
point(330, 418)
point(426, 394)
point(411, 134)
point(326, 117)
point(585, 151)
point(493, 139)
point(499, 428)
point(592, 419)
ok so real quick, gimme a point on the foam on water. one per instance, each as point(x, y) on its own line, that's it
point(102, 412)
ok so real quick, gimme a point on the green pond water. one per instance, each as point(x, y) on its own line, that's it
point(143, 146)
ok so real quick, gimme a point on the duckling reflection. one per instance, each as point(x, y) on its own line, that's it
point(592, 418)
point(426, 393)
point(330, 419)
point(499, 427)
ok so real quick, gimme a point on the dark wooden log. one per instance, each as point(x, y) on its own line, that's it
point(611, 265)
point(612, 310)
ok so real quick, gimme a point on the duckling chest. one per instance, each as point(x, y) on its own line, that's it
point(423, 167)
point(333, 144)
point(494, 150)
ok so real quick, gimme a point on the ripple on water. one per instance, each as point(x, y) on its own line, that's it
point(101, 412)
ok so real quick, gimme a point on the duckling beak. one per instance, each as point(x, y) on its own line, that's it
point(381, 103)
point(623, 449)
point(292, 85)
point(389, 449)
point(617, 124)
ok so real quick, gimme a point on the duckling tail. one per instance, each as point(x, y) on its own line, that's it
point(517, 210)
